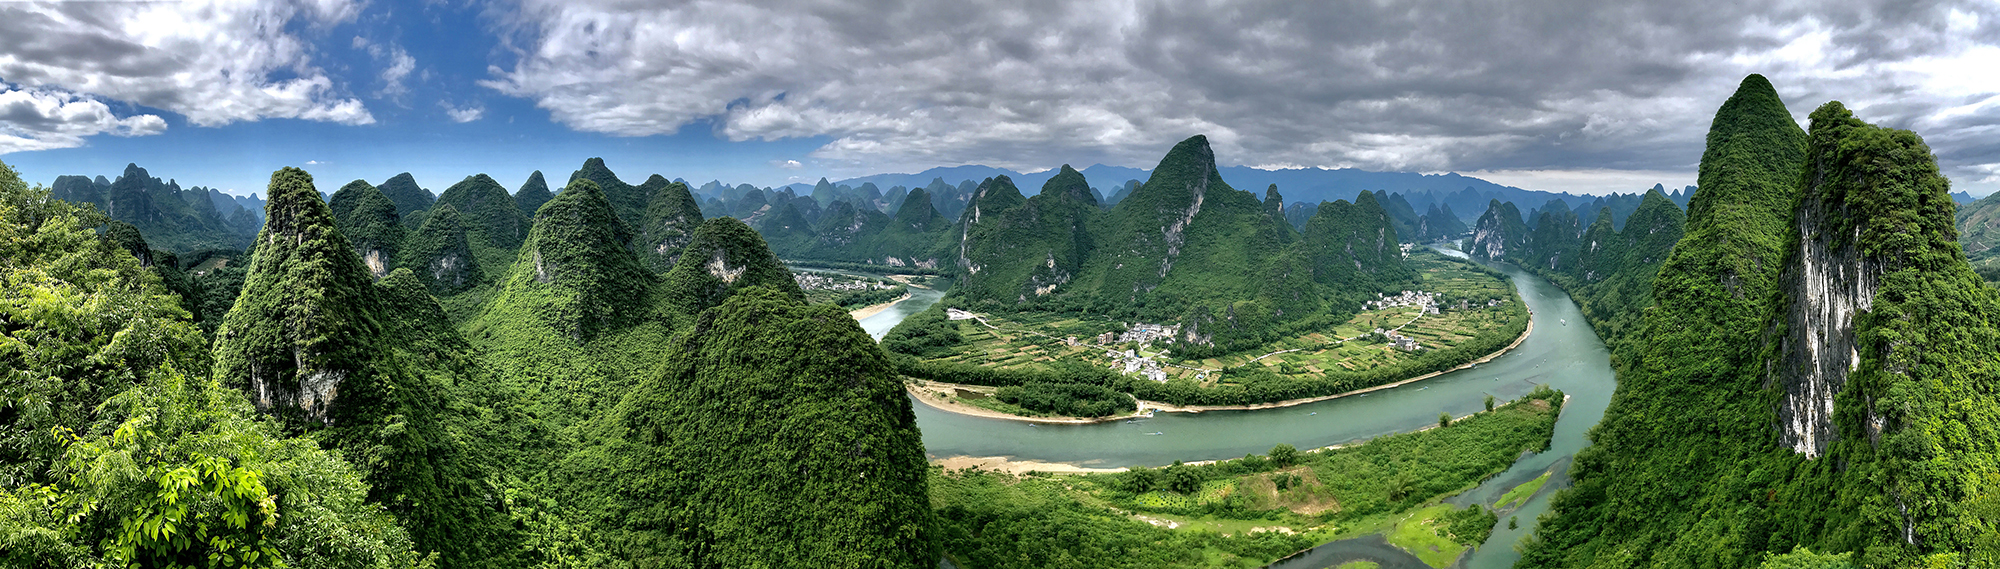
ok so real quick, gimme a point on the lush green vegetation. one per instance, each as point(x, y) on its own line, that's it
point(116, 449)
point(695, 466)
point(1240, 513)
point(1979, 233)
point(1030, 347)
point(1227, 271)
point(1685, 470)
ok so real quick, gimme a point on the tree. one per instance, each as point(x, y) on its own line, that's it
point(1284, 455)
point(1444, 420)
point(1489, 402)
point(1183, 479)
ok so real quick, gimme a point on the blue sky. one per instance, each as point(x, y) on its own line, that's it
point(1592, 98)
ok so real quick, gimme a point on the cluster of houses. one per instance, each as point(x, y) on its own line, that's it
point(1131, 361)
point(1141, 333)
point(1408, 298)
point(1401, 342)
point(817, 281)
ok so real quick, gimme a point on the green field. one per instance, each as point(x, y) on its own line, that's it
point(1030, 339)
point(1245, 512)
point(1424, 535)
point(1520, 494)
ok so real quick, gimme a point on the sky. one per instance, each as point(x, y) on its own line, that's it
point(1585, 96)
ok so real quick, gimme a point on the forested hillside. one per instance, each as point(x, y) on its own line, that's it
point(1816, 336)
point(442, 444)
point(1979, 233)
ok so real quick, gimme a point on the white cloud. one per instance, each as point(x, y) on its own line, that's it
point(314, 162)
point(1420, 85)
point(215, 62)
point(42, 119)
point(400, 66)
point(787, 164)
point(463, 115)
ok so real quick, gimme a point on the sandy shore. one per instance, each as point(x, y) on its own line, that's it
point(924, 390)
point(1004, 464)
point(867, 311)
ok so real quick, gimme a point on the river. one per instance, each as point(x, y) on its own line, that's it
point(1561, 351)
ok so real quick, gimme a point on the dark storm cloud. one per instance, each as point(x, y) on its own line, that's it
point(1429, 85)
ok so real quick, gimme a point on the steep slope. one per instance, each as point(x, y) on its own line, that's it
point(777, 435)
point(724, 256)
point(310, 342)
point(1817, 334)
point(1019, 251)
point(1183, 238)
point(670, 221)
point(368, 220)
point(171, 218)
point(628, 200)
point(1498, 233)
point(532, 195)
point(291, 340)
point(410, 198)
point(441, 256)
point(488, 212)
point(848, 232)
point(1701, 343)
point(915, 236)
point(1552, 244)
point(787, 229)
point(575, 272)
point(1353, 248)
point(1439, 222)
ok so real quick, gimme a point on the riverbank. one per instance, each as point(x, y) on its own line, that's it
point(1525, 332)
point(934, 395)
point(1017, 467)
point(921, 390)
point(867, 311)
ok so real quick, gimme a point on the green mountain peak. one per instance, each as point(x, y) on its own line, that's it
point(300, 333)
point(723, 257)
point(533, 194)
point(670, 221)
point(487, 211)
point(695, 466)
point(440, 254)
point(575, 271)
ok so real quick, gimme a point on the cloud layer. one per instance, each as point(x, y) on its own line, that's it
point(41, 120)
point(1417, 85)
point(215, 63)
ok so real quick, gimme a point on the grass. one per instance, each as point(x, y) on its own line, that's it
point(1424, 536)
point(1520, 494)
point(1362, 564)
point(1029, 339)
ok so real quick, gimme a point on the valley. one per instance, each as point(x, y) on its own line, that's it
point(1790, 364)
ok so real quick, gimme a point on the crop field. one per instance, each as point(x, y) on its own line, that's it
point(1034, 339)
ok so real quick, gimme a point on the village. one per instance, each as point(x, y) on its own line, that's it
point(1451, 306)
point(816, 281)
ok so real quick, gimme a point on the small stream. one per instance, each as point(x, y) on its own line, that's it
point(1561, 351)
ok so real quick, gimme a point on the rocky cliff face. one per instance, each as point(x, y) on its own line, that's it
point(301, 329)
point(1830, 283)
point(1499, 232)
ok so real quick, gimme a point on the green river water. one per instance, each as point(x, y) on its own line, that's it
point(1560, 351)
